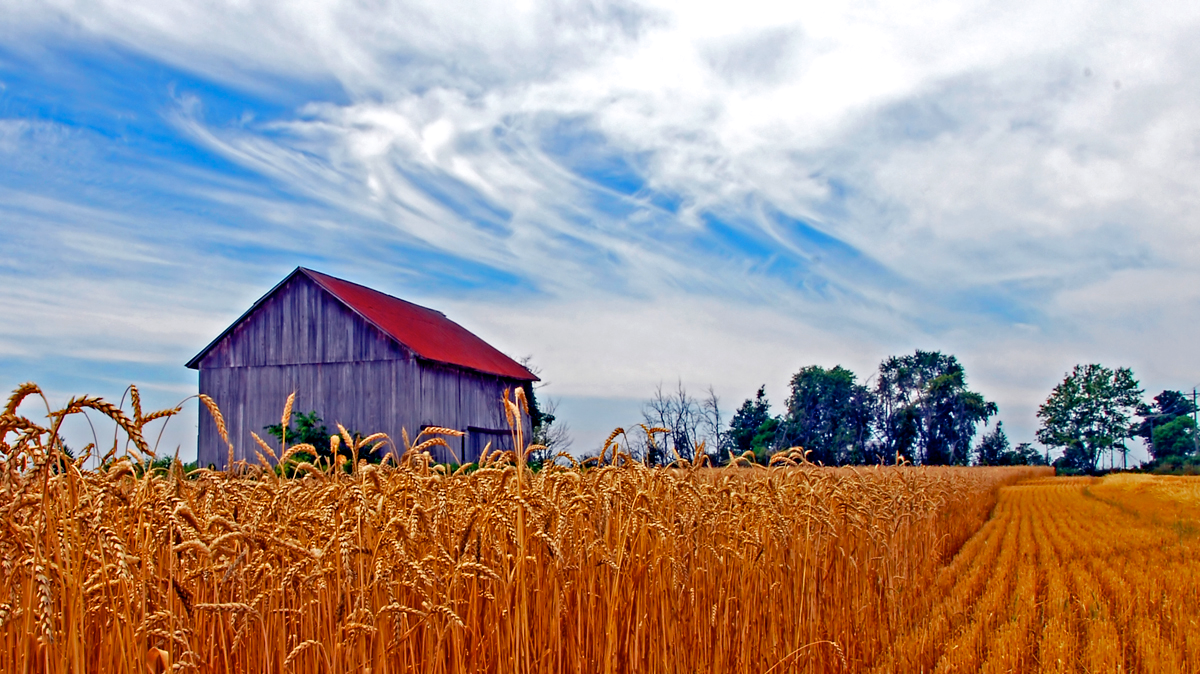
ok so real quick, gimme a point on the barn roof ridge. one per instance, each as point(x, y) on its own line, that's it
point(439, 339)
point(317, 276)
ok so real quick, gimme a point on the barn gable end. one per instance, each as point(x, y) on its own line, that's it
point(298, 322)
point(304, 337)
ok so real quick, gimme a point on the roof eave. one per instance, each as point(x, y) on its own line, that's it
point(531, 378)
point(406, 347)
point(194, 363)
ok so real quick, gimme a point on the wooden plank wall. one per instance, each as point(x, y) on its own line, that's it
point(340, 366)
point(365, 397)
point(301, 323)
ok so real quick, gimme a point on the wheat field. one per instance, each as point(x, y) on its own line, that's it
point(609, 567)
point(1069, 575)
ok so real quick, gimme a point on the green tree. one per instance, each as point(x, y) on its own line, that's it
point(765, 440)
point(305, 428)
point(752, 427)
point(1174, 403)
point(1089, 413)
point(993, 447)
point(1174, 438)
point(1024, 455)
point(829, 414)
point(547, 431)
point(1168, 406)
point(924, 410)
point(993, 450)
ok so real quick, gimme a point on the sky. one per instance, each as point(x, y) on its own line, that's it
point(632, 193)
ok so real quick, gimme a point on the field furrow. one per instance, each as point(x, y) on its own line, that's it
point(1089, 576)
point(1010, 647)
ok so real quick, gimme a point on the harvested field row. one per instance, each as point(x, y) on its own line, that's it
point(1082, 575)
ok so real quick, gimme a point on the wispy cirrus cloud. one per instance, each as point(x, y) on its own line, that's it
point(630, 191)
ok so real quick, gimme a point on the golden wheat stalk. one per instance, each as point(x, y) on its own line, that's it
point(286, 421)
point(265, 447)
point(412, 567)
point(18, 396)
point(219, 420)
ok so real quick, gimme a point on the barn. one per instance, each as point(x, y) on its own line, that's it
point(355, 356)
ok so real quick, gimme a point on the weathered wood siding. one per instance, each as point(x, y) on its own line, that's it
point(301, 339)
point(301, 323)
point(492, 439)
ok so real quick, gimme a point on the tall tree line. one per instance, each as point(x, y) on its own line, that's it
point(918, 408)
point(1095, 410)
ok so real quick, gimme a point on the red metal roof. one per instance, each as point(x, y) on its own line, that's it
point(428, 333)
point(425, 332)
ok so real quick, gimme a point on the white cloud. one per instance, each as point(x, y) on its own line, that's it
point(1011, 181)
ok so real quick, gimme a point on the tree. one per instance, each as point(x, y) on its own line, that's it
point(546, 430)
point(1174, 403)
point(691, 423)
point(1089, 413)
point(308, 429)
point(552, 434)
point(1024, 455)
point(1168, 407)
point(993, 447)
point(993, 450)
point(765, 440)
point(829, 414)
point(1174, 438)
point(924, 410)
point(752, 428)
point(304, 429)
point(713, 426)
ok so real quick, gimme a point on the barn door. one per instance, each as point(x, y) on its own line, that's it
point(478, 438)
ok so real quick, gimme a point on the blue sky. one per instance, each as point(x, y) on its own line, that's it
point(632, 193)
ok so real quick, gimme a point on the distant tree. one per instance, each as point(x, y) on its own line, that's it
point(1175, 438)
point(993, 450)
point(924, 410)
point(691, 424)
point(1174, 403)
point(752, 427)
point(993, 447)
point(713, 426)
point(1089, 413)
point(766, 440)
point(551, 433)
point(546, 430)
point(829, 414)
point(1024, 455)
point(1168, 406)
